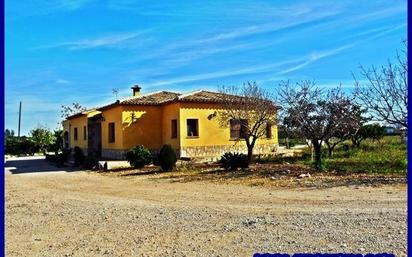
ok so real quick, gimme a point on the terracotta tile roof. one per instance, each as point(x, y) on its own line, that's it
point(79, 114)
point(163, 97)
point(205, 97)
point(151, 99)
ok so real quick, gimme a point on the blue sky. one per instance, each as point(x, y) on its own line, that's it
point(60, 51)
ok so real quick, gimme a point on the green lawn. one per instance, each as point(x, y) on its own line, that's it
point(389, 155)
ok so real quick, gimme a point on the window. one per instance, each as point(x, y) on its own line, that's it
point(238, 128)
point(75, 134)
point(268, 130)
point(111, 132)
point(174, 128)
point(84, 133)
point(192, 128)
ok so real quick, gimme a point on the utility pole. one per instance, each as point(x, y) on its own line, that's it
point(18, 131)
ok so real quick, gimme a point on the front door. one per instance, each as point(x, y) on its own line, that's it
point(94, 142)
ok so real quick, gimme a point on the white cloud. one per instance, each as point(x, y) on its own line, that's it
point(188, 50)
point(299, 63)
point(112, 40)
point(20, 9)
point(265, 28)
point(315, 56)
point(62, 81)
point(219, 74)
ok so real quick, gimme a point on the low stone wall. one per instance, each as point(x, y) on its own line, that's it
point(118, 154)
point(214, 153)
point(113, 154)
point(207, 153)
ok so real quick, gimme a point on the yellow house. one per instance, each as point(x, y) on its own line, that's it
point(181, 120)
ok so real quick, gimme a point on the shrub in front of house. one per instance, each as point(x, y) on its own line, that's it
point(59, 158)
point(167, 158)
point(91, 163)
point(139, 156)
point(233, 161)
point(78, 156)
point(64, 156)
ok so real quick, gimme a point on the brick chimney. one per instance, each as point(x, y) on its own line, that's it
point(136, 90)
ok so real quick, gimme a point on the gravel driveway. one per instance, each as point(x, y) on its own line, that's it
point(86, 214)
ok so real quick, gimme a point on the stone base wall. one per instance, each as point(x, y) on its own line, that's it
point(206, 153)
point(113, 154)
point(214, 153)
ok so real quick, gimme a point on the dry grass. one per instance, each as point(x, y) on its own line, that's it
point(265, 175)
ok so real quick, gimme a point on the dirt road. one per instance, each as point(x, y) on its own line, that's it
point(60, 213)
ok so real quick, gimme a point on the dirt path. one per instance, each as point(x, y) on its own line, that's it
point(87, 214)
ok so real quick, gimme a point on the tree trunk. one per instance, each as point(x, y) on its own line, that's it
point(330, 147)
point(249, 153)
point(250, 146)
point(330, 151)
point(356, 142)
point(318, 154)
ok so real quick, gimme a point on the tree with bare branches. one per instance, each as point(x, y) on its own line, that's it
point(385, 94)
point(349, 129)
point(68, 110)
point(249, 108)
point(314, 114)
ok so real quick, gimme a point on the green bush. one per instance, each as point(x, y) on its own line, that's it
point(322, 165)
point(90, 162)
point(233, 161)
point(43, 138)
point(78, 156)
point(59, 158)
point(57, 144)
point(64, 156)
point(139, 156)
point(167, 158)
point(20, 146)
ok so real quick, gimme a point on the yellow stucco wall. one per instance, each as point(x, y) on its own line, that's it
point(170, 112)
point(210, 133)
point(146, 130)
point(112, 115)
point(79, 123)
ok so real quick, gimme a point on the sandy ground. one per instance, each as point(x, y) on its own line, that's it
point(56, 212)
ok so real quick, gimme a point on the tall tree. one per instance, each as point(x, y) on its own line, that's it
point(252, 109)
point(57, 144)
point(385, 92)
point(8, 133)
point(314, 114)
point(42, 137)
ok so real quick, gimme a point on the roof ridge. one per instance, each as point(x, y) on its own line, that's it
point(190, 93)
point(143, 95)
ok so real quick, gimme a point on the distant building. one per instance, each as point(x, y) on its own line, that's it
point(391, 130)
point(404, 134)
